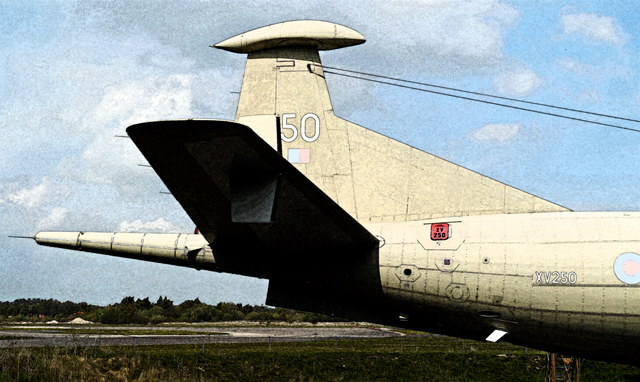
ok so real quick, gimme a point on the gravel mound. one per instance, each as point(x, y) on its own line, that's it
point(79, 321)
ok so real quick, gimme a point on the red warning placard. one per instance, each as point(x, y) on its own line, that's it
point(440, 231)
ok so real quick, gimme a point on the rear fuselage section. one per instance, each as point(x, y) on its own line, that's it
point(566, 282)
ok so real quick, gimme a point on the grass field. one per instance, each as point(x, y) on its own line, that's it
point(421, 359)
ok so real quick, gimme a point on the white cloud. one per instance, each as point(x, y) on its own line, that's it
point(575, 66)
point(53, 220)
point(594, 28)
point(519, 84)
point(590, 96)
point(44, 192)
point(607, 69)
point(154, 97)
point(437, 36)
point(108, 159)
point(496, 132)
point(158, 225)
point(31, 197)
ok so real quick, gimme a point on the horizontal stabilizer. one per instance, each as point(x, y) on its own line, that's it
point(240, 192)
point(253, 196)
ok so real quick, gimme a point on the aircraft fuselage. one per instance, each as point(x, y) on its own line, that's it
point(563, 281)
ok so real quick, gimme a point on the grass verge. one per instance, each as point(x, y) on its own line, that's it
point(353, 360)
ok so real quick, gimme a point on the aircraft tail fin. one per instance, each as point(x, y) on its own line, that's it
point(246, 200)
point(375, 178)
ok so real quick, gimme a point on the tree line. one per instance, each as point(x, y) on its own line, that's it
point(143, 311)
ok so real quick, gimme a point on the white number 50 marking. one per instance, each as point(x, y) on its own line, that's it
point(303, 127)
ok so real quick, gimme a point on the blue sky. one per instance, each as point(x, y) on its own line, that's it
point(75, 74)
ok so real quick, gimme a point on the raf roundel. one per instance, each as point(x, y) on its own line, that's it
point(627, 268)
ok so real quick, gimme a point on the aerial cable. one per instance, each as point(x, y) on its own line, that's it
point(480, 94)
point(488, 102)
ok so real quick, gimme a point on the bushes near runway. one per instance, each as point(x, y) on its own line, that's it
point(143, 311)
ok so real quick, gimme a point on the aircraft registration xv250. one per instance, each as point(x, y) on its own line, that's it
point(345, 221)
